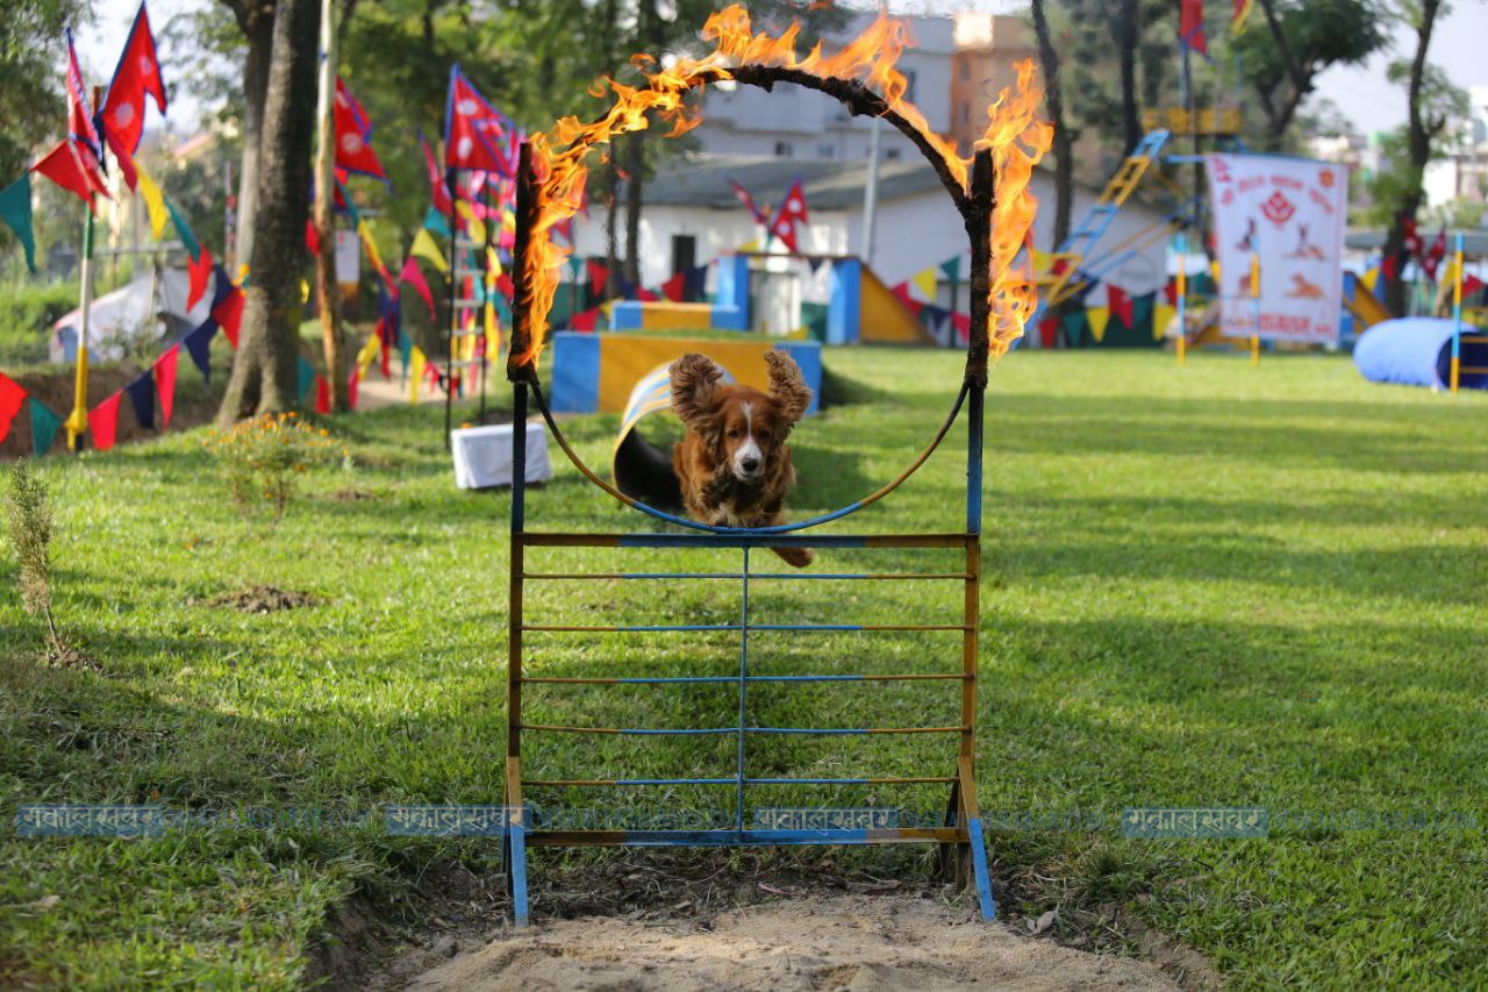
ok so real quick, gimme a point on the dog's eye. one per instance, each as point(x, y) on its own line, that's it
point(734, 432)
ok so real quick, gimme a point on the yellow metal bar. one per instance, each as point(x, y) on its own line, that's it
point(1255, 297)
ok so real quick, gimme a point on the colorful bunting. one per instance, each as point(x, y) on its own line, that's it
point(12, 397)
point(1162, 316)
point(354, 136)
point(198, 346)
point(473, 130)
point(351, 388)
point(416, 365)
point(425, 248)
point(165, 382)
point(1191, 26)
point(322, 394)
point(142, 397)
point(79, 121)
point(199, 269)
point(1098, 318)
point(1120, 303)
point(1238, 15)
point(44, 426)
point(748, 201)
point(599, 278)
point(228, 313)
point(15, 211)
point(154, 204)
point(952, 268)
point(585, 321)
point(412, 275)
point(67, 165)
point(305, 376)
point(103, 422)
point(183, 231)
point(1074, 326)
point(675, 288)
point(926, 282)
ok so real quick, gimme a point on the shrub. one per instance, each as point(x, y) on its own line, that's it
point(262, 458)
point(31, 535)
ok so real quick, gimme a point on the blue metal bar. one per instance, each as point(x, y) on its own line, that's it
point(518, 869)
point(852, 731)
point(705, 679)
point(979, 869)
point(974, 460)
point(689, 627)
point(741, 541)
point(743, 689)
point(817, 576)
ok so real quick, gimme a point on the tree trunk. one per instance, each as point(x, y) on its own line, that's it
point(1419, 133)
point(635, 165)
point(258, 28)
point(265, 374)
point(1064, 164)
point(612, 254)
point(1129, 28)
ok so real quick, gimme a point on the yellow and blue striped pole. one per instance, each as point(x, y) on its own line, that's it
point(1255, 302)
point(1457, 316)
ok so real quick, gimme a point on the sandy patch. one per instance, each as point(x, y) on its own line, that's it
point(819, 943)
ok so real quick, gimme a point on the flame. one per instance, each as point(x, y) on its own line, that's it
point(1016, 138)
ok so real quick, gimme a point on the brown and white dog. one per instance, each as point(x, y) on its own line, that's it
point(734, 466)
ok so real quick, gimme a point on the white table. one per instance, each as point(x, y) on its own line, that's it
point(483, 455)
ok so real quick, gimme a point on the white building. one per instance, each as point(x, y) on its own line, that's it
point(800, 124)
point(691, 216)
point(1462, 174)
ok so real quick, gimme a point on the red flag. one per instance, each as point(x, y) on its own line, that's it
point(103, 422)
point(748, 201)
point(12, 398)
point(586, 320)
point(71, 166)
point(473, 129)
point(138, 74)
point(123, 158)
point(198, 269)
point(1120, 302)
point(962, 323)
point(1471, 284)
point(354, 136)
point(79, 120)
point(438, 192)
point(1049, 331)
point(351, 388)
point(312, 239)
point(675, 287)
point(414, 277)
point(165, 382)
point(228, 313)
point(1389, 266)
point(784, 228)
point(1191, 25)
point(794, 205)
point(1411, 239)
point(1170, 292)
point(599, 278)
point(646, 295)
point(901, 292)
point(322, 394)
point(1434, 255)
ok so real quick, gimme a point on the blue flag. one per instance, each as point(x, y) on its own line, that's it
point(198, 345)
point(142, 397)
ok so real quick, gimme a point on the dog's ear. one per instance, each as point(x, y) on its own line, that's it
point(787, 385)
point(694, 398)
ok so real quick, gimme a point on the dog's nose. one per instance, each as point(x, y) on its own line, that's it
point(750, 464)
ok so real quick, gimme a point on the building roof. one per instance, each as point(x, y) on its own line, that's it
point(829, 185)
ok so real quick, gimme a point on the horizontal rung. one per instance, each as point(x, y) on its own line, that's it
point(693, 627)
point(1474, 338)
point(753, 576)
point(736, 838)
point(734, 679)
point(1473, 369)
point(710, 540)
point(714, 731)
point(608, 782)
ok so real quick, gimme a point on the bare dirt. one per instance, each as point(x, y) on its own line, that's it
point(264, 599)
point(849, 942)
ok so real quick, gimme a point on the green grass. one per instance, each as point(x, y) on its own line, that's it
point(1216, 586)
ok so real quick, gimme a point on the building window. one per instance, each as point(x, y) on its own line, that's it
point(827, 151)
point(910, 77)
point(892, 154)
point(783, 149)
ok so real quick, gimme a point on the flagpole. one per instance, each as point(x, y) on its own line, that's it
point(449, 335)
point(325, 199)
point(77, 421)
point(1182, 299)
point(490, 290)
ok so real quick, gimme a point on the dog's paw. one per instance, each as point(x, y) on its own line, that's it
point(799, 557)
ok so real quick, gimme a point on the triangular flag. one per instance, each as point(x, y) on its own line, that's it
point(198, 269)
point(1142, 308)
point(475, 227)
point(1098, 317)
point(312, 238)
point(417, 363)
point(925, 282)
point(136, 76)
point(165, 382)
point(425, 248)
point(434, 221)
point(1073, 323)
point(752, 245)
point(198, 346)
point(103, 422)
point(493, 333)
point(1162, 316)
point(44, 427)
point(183, 230)
point(368, 353)
point(1170, 292)
point(228, 313)
point(154, 204)
point(1471, 284)
point(1049, 330)
point(322, 395)
point(1370, 278)
point(15, 211)
point(962, 323)
point(674, 287)
point(901, 292)
point(12, 398)
point(952, 268)
point(305, 377)
point(586, 320)
point(414, 277)
point(1120, 303)
point(351, 388)
point(599, 278)
point(142, 397)
point(67, 165)
point(371, 245)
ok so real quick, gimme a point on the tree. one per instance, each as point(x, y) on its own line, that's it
point(1304, 38)
point(265, 377)
point(1064, 138)
point(1432, 102)
point(1128, 34)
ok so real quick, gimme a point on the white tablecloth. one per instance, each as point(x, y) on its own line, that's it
point(483, 455)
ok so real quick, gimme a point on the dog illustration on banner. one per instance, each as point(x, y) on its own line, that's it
point(733, 464)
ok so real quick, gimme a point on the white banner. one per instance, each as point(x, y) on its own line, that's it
point(1290, 213)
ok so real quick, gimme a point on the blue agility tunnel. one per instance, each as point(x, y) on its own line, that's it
point(1417, 351)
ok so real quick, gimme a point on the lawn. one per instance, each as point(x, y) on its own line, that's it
point(1215, 586)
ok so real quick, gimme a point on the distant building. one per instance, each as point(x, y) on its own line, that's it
point(988, 49)
point(803, 125)
point(1462, 174)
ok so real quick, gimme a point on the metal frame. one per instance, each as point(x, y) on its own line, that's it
point(960, 839)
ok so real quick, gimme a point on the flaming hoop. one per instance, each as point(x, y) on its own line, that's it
point(990, 189)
